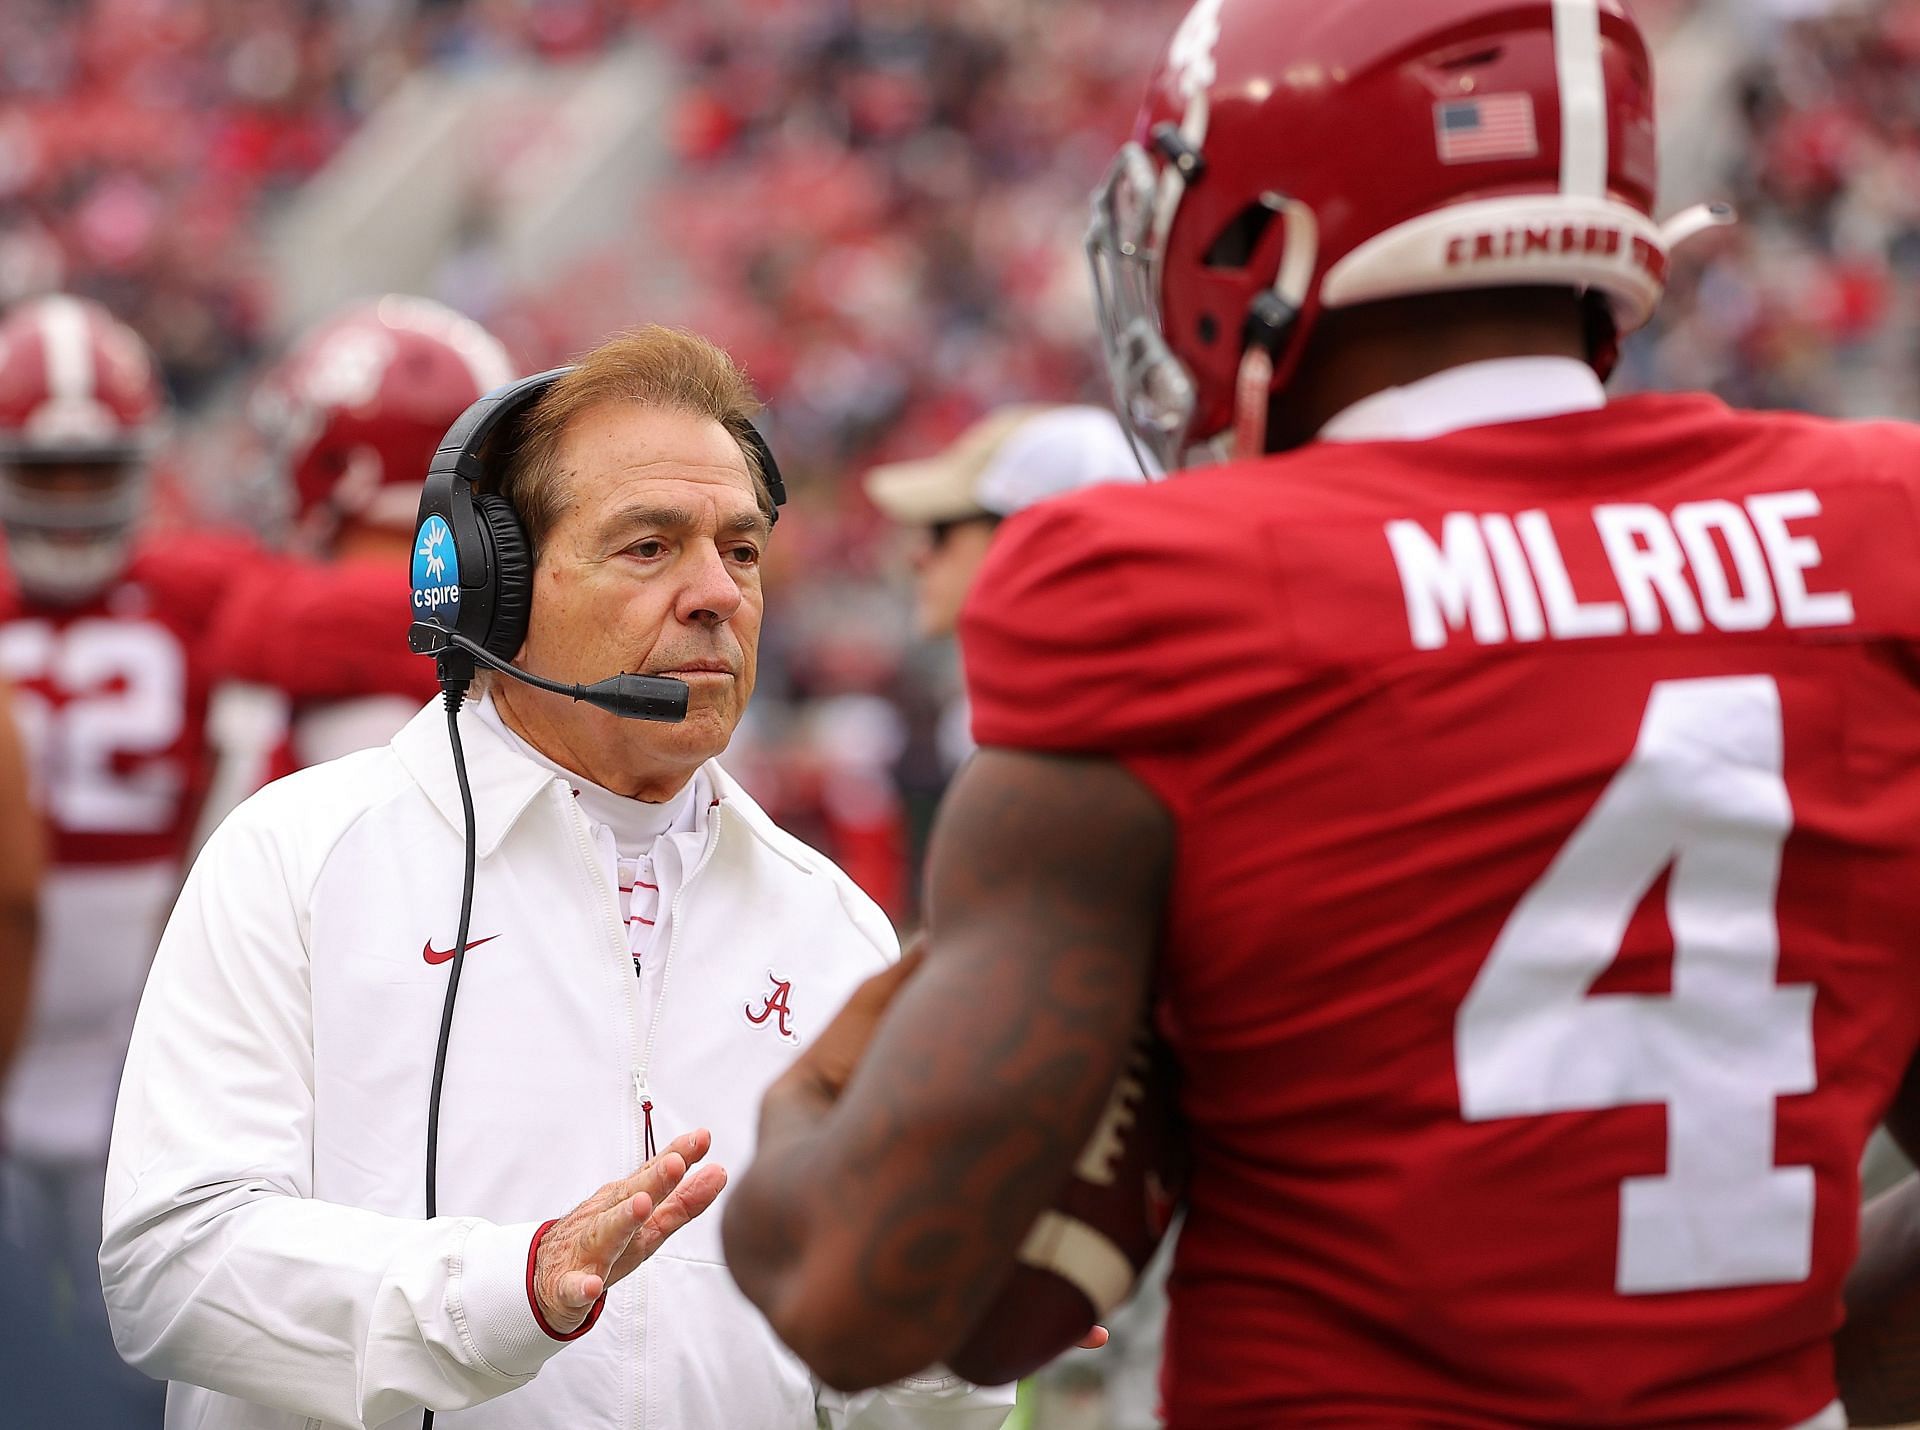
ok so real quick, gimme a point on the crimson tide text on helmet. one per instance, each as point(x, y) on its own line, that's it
point(1295, 156)
point(80, 414)
point(360, 404)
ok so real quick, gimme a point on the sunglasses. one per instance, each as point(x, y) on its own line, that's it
point(940, 532)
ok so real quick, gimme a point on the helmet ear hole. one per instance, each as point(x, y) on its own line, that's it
point(1476, 57)
point(1237, 243)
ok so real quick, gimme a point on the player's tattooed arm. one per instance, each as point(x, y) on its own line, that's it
point(887, 1199)
point(1877, 1353)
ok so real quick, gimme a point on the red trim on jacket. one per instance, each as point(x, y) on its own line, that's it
point(533, 1257)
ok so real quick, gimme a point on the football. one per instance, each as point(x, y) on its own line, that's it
point(1082, 1256)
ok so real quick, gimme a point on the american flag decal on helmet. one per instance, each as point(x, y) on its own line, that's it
point(1479, 131)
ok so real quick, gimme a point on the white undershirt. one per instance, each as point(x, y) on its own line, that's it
point(1475, 394)
point(645, 849)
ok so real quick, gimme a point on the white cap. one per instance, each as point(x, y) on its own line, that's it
point(1005, 463)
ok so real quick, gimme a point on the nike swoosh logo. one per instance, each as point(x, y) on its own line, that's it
point(434, 956)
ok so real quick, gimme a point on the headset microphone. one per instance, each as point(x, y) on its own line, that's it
point(632, 697)
point(472, 597)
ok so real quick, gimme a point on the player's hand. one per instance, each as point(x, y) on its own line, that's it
point(601, 1241)
point(823, 1071)
point(1094, 1339)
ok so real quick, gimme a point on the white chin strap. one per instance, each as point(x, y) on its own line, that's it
point(1253, 388)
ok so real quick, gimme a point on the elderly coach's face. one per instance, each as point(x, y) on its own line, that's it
point(653, 566)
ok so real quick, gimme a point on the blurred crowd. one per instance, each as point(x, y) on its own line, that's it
point(1817, 142)
point(143, 142)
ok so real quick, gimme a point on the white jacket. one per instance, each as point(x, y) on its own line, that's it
point(265, 1246)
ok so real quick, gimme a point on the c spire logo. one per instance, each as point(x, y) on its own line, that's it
point(436, 569)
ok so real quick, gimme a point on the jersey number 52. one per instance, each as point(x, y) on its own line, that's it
point(97, 701)
point(1704, 795)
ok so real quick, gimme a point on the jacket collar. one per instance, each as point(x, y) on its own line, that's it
point(505, 782)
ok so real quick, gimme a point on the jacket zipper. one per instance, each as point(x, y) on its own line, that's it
point(643, 1092)
point(583, 837)
point(641, 1088)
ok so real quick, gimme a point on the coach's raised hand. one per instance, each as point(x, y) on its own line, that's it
point(601, 1241)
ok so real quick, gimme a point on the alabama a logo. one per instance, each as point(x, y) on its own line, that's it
point(774, 1010)
point(1191, 60)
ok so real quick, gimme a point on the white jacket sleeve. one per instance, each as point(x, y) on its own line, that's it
point(218, 1266)
point(929, 1402)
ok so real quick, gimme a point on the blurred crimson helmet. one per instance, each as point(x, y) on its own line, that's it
point(360, 404)
point(1295, 156)
point(80, 413)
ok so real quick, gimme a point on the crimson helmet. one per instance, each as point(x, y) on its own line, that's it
point(1295, 156)
point(358, 407)
point(80, 413)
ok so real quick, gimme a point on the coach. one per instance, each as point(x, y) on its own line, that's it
point(647, 953)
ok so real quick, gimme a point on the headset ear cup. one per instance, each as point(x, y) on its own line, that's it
point(512, 576)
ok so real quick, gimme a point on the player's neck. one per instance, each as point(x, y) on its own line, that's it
point(1364, 351)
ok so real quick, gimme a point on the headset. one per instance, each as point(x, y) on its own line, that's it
point(472, 594)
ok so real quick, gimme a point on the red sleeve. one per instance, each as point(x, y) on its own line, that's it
point(1049, 637)
point(321, 632)
point(1120, 623)
point(191, 572)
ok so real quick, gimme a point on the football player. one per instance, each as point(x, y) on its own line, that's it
point(1506, 801)
point(356, 411)
point(102, 636)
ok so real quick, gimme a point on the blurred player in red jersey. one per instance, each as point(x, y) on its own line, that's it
point(1507, 801)
point(102, 636)
point(356, 410)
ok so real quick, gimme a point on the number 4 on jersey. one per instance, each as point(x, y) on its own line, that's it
point(1703, 794)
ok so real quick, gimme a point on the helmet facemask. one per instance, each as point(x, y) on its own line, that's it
point(1153, 392)
point(70, 522)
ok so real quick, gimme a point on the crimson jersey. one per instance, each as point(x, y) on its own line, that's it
point(322, 632)
point(1541, 948)
point(349, 680)
point(112, 699)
